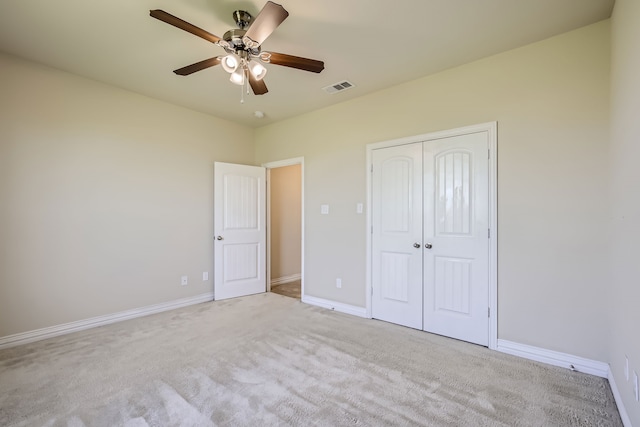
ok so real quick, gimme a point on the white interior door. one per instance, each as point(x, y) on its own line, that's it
point(456, 241)
point(239, 226)
point(397, 221)
point(433, 195)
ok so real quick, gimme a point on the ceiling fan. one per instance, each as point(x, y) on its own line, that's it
point(243, 47)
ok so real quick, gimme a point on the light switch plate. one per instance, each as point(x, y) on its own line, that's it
point(324, 209)
point(626, 368)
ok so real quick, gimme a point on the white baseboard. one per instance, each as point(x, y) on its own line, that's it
point(337, 306)
point(626, 421)
point(286, 279)
point(67, 328)
point(564, 360)
point(580, 364)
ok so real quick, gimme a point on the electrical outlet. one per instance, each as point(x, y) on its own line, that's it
point(626, 367)
point(205, 275)
point(184, 280)
point(338, 283)
point(635, 386)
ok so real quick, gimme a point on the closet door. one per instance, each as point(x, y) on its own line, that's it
point(397, 237)
point(456, 241)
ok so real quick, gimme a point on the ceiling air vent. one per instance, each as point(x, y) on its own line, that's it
point(338, 87)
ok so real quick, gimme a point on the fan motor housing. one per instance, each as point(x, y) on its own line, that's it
point(234, 38)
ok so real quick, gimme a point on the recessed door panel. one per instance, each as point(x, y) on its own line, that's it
point(242, 262)
point(397, 182)
point(242, 196)
point(453, 185)
point(395, 271)
point(452, 286)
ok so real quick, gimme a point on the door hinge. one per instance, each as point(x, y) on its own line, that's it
point(489, 312)
point(372, 168)
point(488, 154)
point(488, 233)
point(372, 229)
point(372, 291)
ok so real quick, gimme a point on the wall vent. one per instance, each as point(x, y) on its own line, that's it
point(338, 87)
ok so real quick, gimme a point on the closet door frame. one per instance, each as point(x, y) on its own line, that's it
point(492, 132)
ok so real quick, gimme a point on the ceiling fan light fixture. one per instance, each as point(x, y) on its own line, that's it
point(230, 62)
point(237, 77)
point(257, 70)
point(243, 47)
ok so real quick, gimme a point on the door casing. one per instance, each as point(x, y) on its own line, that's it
point(491, 128)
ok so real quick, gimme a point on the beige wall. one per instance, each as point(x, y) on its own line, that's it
point(106, 197)
point(285, 221)
point(551, 101)
point(624, 283)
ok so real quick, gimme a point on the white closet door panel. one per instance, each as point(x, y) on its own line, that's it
point(397, 222)
point(456, 223)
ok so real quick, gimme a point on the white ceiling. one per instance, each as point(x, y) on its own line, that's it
point(371, 45)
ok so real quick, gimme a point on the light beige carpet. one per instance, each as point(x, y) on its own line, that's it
point(270, 360)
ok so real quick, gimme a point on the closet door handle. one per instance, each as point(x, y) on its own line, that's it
point(428, 245)
point(416, 245)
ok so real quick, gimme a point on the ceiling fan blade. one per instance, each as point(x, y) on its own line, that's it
point(296, 62)
point(268, 19)
point(190, 69)
point(183, 25)
point(259, 86)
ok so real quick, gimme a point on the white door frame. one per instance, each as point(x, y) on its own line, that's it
point(279, 164)
point(492, 129)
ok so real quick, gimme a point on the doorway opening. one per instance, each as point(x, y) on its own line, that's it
point(285, 259)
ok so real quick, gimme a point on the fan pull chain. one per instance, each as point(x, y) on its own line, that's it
point(245, 83)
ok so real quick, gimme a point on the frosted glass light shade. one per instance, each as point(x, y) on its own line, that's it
point(230, 62)
point(257, 70)
point(237, 77)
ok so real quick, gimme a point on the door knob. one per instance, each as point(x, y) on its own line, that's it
point(220, 238)
point(428, 245)
point(416, 245)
